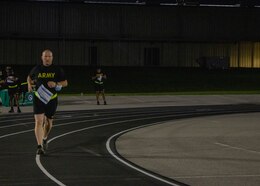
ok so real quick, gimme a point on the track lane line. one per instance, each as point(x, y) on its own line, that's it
point(88, 128)
point(220, 176)
point(15, 133)
point(183, 114)
point(38, 162)
point(132, 165)
point(73, 122)
point(89, 151)
point(237, 148)
point(83, 116)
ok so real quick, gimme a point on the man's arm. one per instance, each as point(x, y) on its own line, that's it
point(62, 83)
point(30, 84)
point(53, 84)
point(59, 84)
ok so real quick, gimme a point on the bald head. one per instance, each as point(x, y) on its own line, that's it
point(47, 57)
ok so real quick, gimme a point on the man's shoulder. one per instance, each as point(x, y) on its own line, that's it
point(58, 68)
point(36, 67)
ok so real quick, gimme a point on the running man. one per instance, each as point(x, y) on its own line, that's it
point(48, 79)
point(99, 85)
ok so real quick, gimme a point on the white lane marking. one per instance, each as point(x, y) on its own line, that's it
point(38, 162)
point(15, 125)
point(237, 148)
point(219, 176)
point(134, 99)
point(58, 115)
point(80, 100)
point(75, 122)
point(57, 119)
point(65, 116)
point(15, 133)
point(69, 123)
point(83, 115)
point(132, 165)
point(89, 151)
point(15, 119)
point(12, 134)
point(97, 126)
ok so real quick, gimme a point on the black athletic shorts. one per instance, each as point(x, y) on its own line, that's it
point(48, 109)
point(13, 91)
point(23, 88)
point(99, 88)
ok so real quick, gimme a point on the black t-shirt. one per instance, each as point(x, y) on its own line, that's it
point(100, 77)
point(1, 75)
point(41, 74)
point(2, 79)
point(12, 81)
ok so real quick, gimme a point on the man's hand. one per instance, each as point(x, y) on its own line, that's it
point(30, 88)
point(52, 84)
point(57, 85)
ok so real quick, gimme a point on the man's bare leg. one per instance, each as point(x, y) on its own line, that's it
point(47, 127)
point(97, 97)
point(39, 120)
point(17, 96)
point(104, 98)
point(46, 131)
point(11, 104)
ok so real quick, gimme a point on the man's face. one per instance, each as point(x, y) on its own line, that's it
point(47, 58)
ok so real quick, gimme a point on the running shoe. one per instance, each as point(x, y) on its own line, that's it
point(98, 103)
point(40, 150)
point(19, 110)
point(45, 144)
point(11, 110)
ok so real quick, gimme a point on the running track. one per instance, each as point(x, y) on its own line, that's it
point(81, 146)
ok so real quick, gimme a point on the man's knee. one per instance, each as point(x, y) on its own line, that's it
point(38, 123)
point(39, 119)
point(49, 121)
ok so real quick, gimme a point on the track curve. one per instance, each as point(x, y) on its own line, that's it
point(78, 141)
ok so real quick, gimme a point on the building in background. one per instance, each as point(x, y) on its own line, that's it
point(137, 33)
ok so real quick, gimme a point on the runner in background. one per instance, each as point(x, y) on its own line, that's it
point(2, 81)
point(23, 90)
point(99, 80)
point(13, 85)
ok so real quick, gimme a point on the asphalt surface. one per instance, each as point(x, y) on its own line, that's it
point(78, 146)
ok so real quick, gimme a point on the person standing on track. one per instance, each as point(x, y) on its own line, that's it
point(23, 90)
point(2, 79)
point(99, 79)
point(2, 82)
point(13, 84)
point(48, 79)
